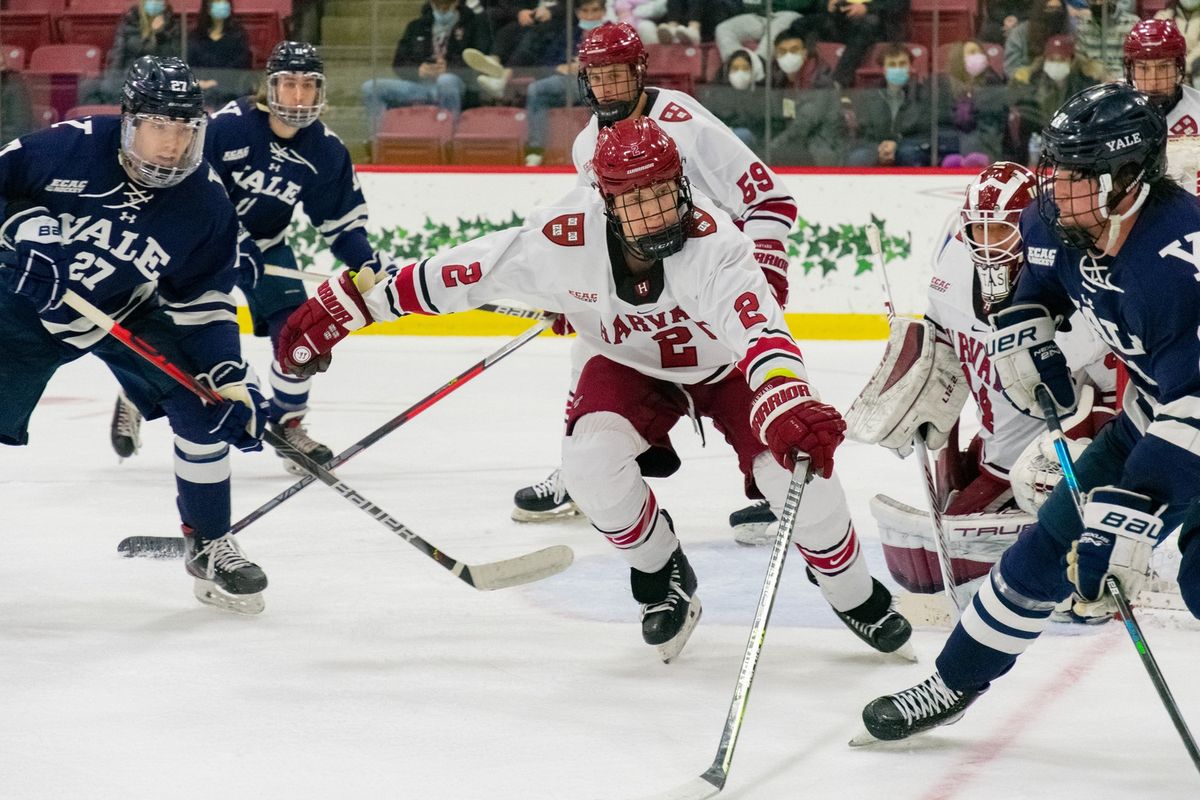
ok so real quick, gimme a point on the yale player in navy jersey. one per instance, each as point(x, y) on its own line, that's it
point(124, 212)
point(1115, 239)
point(272, 154)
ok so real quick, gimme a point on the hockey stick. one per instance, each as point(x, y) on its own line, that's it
point(172, 546)
point(494, 575)
point(941, 543)
point(712, 781)
point(1114, 588)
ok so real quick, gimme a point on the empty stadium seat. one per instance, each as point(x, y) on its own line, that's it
point(12, 57)
point(91, 111)
point(490, 135)
point(870, 73)
point(955, 19)
point(565, 125)
point(54, 73)
point(30, 23)
point(263, 20)
point(830, 52)
point(413, 135)
point(674, 66)
point(92, 22)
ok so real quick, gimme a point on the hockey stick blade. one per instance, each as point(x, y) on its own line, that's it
point(151, 547)
point(520, 570)
point(695, 789)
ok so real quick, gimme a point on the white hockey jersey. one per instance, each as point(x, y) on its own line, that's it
point(715, 161)
point(707, 309)
point(1004, 430)
point(1183, 140)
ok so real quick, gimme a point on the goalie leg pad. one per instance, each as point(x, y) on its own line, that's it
point(918, 386)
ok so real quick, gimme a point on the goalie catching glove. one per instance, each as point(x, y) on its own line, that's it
point(1121, 529)
point(918, 389)
point(787, 417)
point(325, 319)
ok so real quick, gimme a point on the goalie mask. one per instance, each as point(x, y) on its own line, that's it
point(988, 224)
point(295, 84)
point(612, 71)
point(162, 122)
point(1156, 60)
point(640, 175)
point(1104, 145)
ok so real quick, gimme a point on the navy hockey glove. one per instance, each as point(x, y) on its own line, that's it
point(1025, 356)
point(788, 418)
point(41, 273)
point(1121, 529)
point(250, 263)
point(325, 319)
point(242, 416)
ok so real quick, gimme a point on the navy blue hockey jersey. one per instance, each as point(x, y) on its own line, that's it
point(266, 177)
point(129, 245)
point(1144, 303)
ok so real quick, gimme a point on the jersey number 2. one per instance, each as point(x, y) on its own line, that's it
point(454, 274)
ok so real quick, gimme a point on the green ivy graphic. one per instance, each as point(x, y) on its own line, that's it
point(815, 246)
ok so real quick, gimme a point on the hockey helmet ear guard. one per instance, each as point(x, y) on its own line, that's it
point(647, 199)
point(162, 122)
point(296, 83)
point(988, 225)
point(612, 44)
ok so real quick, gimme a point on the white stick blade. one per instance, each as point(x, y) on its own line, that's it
point(524, 569)
point(695, 789)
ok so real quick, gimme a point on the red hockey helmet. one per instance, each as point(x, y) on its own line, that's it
point(632, 155)
point(1157, 40)
point(989, 226)
point(609, 45)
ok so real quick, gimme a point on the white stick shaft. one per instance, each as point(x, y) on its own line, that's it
point(300, 274)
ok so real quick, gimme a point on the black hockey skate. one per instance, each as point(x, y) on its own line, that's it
point(877, 623)
point(670, 608)
point(126, 429)
point(294, 432)
point(752, 524)
point(225, 578)
point(544, 501)
point(927, 705)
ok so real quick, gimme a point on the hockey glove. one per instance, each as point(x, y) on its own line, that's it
point(771, 256)
point(325, 319)
point(250, 262)
point(561, 327)
point(242, 416)
point(787, 417)
point(1121, 529)
point(41, 273)
point(1025, 356)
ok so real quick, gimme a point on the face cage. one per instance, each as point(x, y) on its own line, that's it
point(1163, 102)
point(997, 268)
point(1073, 235)
point(148, 172)
point(660, 244)
point(296, 116)
point(617, 110)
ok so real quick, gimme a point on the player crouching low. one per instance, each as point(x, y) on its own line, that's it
point(665, 292)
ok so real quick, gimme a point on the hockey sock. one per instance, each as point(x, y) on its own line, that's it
point(202, 480)
point(289, 393)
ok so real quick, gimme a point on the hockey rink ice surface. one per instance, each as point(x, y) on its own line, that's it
point(375, 674)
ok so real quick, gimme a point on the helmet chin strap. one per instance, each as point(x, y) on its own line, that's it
point(1115, 220)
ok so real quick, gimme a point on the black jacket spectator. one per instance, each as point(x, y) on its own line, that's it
point(545, 44)
point(136, 37)
point(221, 64)
point(416, 46)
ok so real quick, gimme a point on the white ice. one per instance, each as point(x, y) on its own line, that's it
point(373, 673)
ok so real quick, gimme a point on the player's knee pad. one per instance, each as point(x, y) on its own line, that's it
point(823, 516)
point(600, 470)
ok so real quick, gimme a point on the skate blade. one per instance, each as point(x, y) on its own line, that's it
point(565, 511)
point(905, 652)
point(863, 739)
point(753, 535)
point(671, 648)
point(208, 593)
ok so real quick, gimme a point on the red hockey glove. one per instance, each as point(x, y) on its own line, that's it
point(561, 327)
point(787, 418)
point(324, 320)
point(771, 256)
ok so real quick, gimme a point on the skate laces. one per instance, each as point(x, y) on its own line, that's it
point(926, 699)
point(224, 554)
point(129, 420)
point(675, 593)
point(297, 436)
point(551, 486)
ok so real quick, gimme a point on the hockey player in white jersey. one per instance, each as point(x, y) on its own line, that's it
point(664, 290)
point(931, 366)
point(1156, 64)
point(612, 72)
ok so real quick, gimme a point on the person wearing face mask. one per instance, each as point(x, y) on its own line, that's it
point(751, 23)
point(798, 65)
point(219, 54)
point(1038, 90)
point(974, 94)
point(433, 43)
point(893, 122)
point(1186, 15)
point(150, 28)
point(1101, 37)
point(1025, 42)
point(858, 24)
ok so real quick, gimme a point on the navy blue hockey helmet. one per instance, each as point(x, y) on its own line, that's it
point(1113, 134)
point(295, 83)
point(162, 121)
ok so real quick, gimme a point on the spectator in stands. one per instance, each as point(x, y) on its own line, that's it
point(735, 97)
point(1002, 17)
point(974, 94)
point(219, 54)
point(1038, 90)
point(510, 21)
point(16, 107)
point(1025, 42)
point(752, 23)
point(1186, 14)
point(150, 28)
point(893, 122)
point(641, 15)
point(434, 43)
point(1102, 36)
point(798, 64)
point(858, 24)
point(693, 21)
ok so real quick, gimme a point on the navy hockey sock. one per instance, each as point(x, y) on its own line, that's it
point(202, 480)
point(289, 393)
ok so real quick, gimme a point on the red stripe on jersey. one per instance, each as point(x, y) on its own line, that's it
point(784, 208)
point(764, 345)
point(639, 531)
point(406, 291)
point(836, 559)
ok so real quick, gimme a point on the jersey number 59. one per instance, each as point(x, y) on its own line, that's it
point(753, 181)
